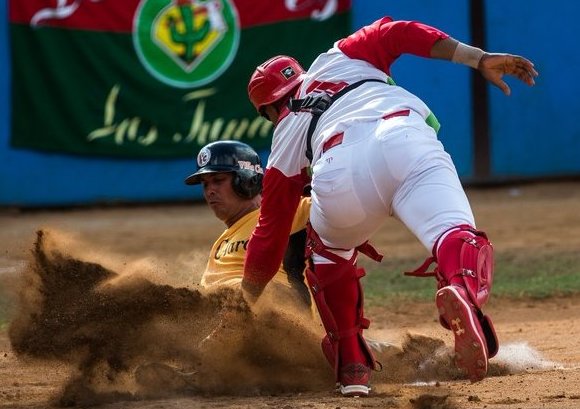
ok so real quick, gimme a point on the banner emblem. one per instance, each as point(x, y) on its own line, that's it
point(186, 43)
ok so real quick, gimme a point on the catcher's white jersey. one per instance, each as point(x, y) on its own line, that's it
point(384, 160)
point(330, 73)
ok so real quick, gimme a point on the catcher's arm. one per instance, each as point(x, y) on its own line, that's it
point(294, 264)
point(493, 66)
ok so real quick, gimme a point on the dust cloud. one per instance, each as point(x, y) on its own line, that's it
point(128, 336)
point(520, 357)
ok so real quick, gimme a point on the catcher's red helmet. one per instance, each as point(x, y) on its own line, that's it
point(273, 80)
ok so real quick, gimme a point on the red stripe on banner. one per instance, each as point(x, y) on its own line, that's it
point(272, 11)
point(118, 15)
point(98, 15)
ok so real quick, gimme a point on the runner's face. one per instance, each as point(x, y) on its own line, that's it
point(220, 196)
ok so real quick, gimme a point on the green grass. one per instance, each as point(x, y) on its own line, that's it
point(3, 320)
point(516, 276)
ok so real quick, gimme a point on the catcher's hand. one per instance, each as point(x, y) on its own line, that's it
point(494, 66)
point(251, 291)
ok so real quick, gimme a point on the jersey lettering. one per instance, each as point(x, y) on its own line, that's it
point(228, 247)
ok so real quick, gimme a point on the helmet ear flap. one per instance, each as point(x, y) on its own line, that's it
point(247, 184)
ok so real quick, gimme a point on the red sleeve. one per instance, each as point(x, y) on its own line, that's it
point(265, 251)
point(382, 42)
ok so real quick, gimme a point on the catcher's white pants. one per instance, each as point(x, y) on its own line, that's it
point(393, 167)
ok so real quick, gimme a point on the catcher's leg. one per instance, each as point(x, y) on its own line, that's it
point(465, 275)
point(337, 292)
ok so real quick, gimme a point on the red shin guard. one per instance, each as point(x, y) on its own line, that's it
point(465, 257)
point(338, 297)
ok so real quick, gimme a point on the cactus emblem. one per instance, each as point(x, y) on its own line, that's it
point(190, 35)
point(174, 38)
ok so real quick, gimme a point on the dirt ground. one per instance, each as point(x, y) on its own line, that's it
point(539, 339)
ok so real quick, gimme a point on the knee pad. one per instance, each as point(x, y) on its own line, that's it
point(465, 256)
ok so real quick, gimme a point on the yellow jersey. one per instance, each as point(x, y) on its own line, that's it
point(226, 260)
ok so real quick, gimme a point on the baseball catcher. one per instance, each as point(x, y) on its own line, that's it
point(370, 150)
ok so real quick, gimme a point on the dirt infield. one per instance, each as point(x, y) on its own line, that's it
point(115, 347)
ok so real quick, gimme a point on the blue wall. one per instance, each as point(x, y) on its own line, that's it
point(533, 132)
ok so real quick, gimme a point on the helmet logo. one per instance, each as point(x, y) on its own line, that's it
point(288, 72)
point(203, 157)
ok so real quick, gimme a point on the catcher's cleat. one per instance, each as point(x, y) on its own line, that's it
point(354, 380)
point(471, 353)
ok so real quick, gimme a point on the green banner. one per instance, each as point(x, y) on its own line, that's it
point(152, 78)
